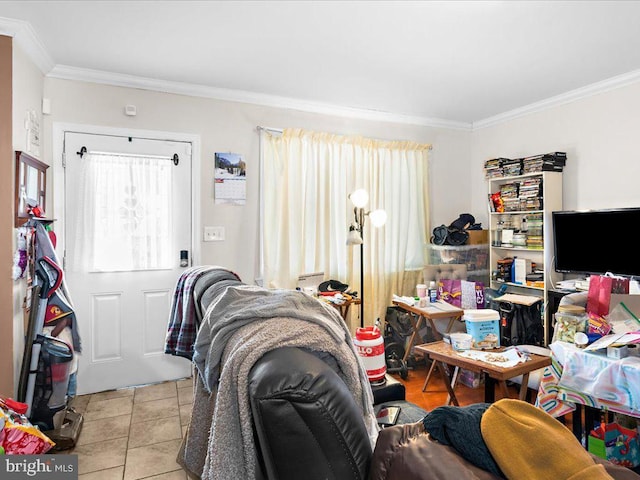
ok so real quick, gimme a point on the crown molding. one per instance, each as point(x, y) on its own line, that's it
point(25, 37)
point(131, 81)
point(568, 97)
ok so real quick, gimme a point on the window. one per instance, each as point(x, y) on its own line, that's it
point(306, 181)
point(125, 213)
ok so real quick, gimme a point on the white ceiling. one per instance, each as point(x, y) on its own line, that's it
point(430, 62)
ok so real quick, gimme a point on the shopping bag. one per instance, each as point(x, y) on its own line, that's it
point(600, 289)
point(450, 291)
point(615, 443)
point(462, 293)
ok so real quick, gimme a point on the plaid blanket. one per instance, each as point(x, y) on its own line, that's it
point(185, 316)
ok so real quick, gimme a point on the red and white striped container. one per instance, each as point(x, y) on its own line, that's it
point(370, 346)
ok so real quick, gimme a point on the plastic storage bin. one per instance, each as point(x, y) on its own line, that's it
point(570, 319)
point(484, 327)
point(475, 257)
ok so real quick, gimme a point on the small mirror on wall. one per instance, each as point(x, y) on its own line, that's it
point(31, 188)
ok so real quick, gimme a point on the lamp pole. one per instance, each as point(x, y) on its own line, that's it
point(360, 215)
point(359, 198)
point(362, 285)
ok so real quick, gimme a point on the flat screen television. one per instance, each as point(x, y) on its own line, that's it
point(597, 241)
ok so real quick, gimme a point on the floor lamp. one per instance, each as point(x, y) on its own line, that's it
point(360, 198)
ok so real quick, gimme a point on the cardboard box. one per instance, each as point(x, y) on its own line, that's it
point(478, 237)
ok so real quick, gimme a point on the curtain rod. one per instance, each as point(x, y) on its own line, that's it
point(279, 131)
point(175, 158)
point(270, 129)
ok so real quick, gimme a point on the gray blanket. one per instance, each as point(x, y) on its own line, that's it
point(238, 305)
point(243, 324)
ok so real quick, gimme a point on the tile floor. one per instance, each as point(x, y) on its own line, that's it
point(133, 433)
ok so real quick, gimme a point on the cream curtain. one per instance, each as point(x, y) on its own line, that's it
point(306, 180)
point(124, 214)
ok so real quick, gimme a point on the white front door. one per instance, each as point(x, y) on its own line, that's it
point(127, 218)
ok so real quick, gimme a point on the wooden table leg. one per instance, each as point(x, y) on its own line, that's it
point(429, 373)
point(524, 387)
point(450, 324)
point(447, 382)
point(344, 310)
point(503, 389)
point(434, 330)
point(416, 326)
point(454, 381)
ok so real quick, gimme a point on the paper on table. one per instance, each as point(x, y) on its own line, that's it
point(527, 300)
point(407, 300)
point(623, 320)
point(627, 338)
point(604, 342)
point(444, 306)
point(509, 358)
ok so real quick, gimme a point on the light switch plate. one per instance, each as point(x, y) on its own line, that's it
point(213, 234)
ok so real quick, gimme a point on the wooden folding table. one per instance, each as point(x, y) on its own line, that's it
point(433, 311)
point(443, 353)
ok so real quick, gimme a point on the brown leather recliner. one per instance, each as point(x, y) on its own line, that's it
point(306, 421)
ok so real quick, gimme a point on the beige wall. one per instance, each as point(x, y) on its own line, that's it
point(599, 134)
point(231, 127)
point(26, 85)
point(6, 220)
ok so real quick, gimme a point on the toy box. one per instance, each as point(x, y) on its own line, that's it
point(470, 379)
point(615, 443)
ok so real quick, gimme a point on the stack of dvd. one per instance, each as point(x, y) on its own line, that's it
point(509, 190)
point(493, 168)
point(547, 162)
point(512, 168)
point(530, 193)
point(534, 231)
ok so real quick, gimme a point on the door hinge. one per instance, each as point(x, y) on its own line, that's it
point(64, 160)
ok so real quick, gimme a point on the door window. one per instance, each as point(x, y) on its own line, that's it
point(124, 213)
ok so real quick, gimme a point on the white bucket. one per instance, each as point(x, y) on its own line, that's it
point(484, 326)
point(461, 341)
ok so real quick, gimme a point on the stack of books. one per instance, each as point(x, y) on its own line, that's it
point(493, 168)
point(534, 231)
point(510, 197)
point(530, 187)
point(512, 168)
point(530, 194)
point(546, 162)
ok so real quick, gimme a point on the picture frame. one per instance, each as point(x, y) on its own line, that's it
point(30, 186)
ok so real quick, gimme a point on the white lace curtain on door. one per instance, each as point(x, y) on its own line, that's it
point(123, 217)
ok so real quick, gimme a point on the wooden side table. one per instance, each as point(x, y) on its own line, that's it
point(343, 308)
point(443, 353)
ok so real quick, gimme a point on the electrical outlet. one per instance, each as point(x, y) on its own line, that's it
point(213, 234)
